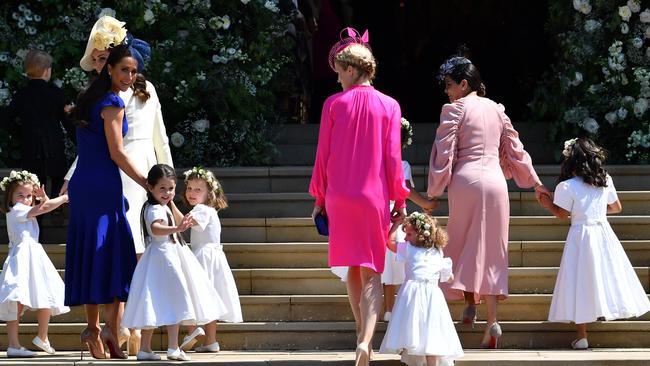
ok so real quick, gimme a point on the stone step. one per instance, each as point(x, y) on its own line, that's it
point(341, 335)
point(473, 357)
point(301, 204)
point(321, 281)
point(314, 255)
point(336, 308)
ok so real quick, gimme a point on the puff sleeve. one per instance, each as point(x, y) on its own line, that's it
point(160, 139)
point(402, 251)
point(397, 190)
point(446, 270)
point(19, 212)
point(201, 214)
point(443, 152)
point(111, 100)
point(154, 213)
point(563, 196)
point(318, 183)
point(514, 160)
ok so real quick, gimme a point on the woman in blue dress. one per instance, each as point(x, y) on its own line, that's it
point(100, 255)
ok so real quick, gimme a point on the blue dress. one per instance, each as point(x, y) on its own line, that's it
point(100, 255)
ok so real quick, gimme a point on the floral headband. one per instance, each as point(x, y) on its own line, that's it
point(407, 133)
point(421, 223)
point(449, 65)
point(19, 176)
point(206, 175)
point(568, 147)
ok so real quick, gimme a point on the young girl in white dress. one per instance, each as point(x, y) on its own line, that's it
point(169, 287)
point(596, 278)
point(421, 329)
point(29, 279)
point(204, 193)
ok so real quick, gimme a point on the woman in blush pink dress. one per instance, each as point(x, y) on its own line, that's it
point(358, 170)
point(476, 149)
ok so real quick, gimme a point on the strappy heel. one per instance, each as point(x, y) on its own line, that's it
point(495, 332)
point(469, 316)
point(91, 339)
point(113, 348)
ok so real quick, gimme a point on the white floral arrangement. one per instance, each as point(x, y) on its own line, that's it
point(568, 147)
point(19, 176)
point(406, 133)
point(206, 175)
point(422, 224)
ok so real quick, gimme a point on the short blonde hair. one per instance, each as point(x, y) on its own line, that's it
point(359, 57)
point(36, 62)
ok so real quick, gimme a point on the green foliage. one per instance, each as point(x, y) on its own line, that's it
point(600, 85)
point(219, 62)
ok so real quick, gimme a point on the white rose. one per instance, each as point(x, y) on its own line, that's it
point(13, 174)
point(645, 16)
point(226, 22)
point(611, 117)
point(177, 139)
point(621, 113)
point(590, 125)
point(625, 12)
point(577, 79)
point(409, 141)
point(628, 99)
point(625, 28)
point(427, 226)
point(149, 18)
point(426, 233)
point(634, 6)
point(640, 107)
point(106, 11)
point(201, 125)
point(637, 42)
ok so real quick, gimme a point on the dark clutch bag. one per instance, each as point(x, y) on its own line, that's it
point(321, 224)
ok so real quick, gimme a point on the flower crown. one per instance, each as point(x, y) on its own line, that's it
point(568, 147)
point(449, 65)
point(110, 33)
point(407, 133)
point(206, 175)
point(19, 176)
point(422, 225)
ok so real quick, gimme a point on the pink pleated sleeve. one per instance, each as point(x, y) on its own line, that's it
point(514, 160)
point(397, 190)
point(443, 152)
point(318, 184)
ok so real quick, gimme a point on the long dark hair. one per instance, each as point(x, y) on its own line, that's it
point(99, 87)
point(585, 160)
point(470, 73)
point(156, 173)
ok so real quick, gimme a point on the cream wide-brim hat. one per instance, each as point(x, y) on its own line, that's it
point(107, 31)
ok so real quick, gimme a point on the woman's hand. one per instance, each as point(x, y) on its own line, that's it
point(398, 214)
point(64, 188)
point(541, 191)
point(429, 205)
point(317, 210)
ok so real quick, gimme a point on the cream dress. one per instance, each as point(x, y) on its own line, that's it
point(28, 276)
point(596, 278)
point(169, 285)
point(146, 144)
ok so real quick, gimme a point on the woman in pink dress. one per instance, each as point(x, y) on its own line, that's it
point(358, 170)
point(476, 149)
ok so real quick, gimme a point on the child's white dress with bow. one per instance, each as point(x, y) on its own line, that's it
point(421, 324)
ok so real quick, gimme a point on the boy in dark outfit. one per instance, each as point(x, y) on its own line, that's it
point(36, 114)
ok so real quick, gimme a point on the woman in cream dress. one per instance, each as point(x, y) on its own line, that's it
point(146, 142)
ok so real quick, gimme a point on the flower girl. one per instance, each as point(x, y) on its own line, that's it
point(596, 278)
point(421, 328)
point(29, 279)
point(204, 193)
point(169, 287)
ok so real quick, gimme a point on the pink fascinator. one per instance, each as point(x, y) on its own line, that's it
point(353, 36)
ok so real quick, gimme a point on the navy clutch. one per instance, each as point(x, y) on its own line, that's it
point(321, 224)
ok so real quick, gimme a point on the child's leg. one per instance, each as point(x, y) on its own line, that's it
point(145, 341)
point(582, 330)
point(12, 329)
point(432, 360)
point(211, 333)
point(389, 297)
point(172, 336)
point(43, 316)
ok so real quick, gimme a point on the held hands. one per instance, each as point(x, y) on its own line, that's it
point(540, 192)
point(430, 204)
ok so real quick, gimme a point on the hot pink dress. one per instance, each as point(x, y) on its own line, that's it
point(475, 151)
point(358, 170)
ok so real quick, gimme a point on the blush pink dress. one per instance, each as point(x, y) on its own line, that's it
point(358, 170)
point(476, 149)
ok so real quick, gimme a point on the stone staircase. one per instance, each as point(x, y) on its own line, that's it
point(291, 301)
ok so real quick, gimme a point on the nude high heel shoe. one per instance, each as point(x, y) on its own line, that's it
point(362, 355)
point(90, 339)
point(495, 332)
